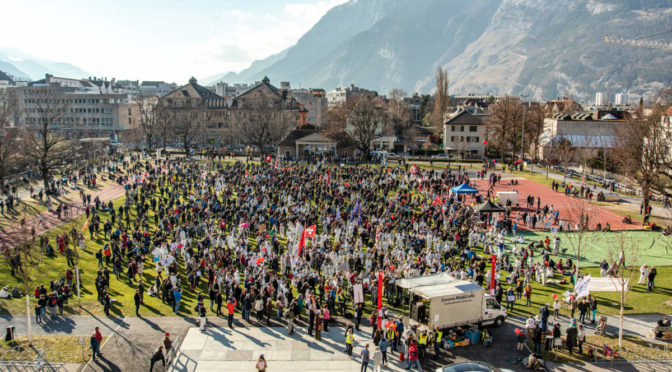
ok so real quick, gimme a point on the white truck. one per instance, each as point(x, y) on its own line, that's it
point(442, 301)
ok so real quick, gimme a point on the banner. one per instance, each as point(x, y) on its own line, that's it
point(358, 294)
point(493, 270)
point(380, 298)
point(582, 287)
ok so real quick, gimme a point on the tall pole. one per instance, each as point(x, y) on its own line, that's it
point(522, 134)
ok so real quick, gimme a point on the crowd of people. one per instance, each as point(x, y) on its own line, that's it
point(290, 240)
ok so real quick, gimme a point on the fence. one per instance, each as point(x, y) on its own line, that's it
point(21, 359)
point(170, 355)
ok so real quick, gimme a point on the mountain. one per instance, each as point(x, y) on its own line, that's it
point(540, 48)
point(26, 67)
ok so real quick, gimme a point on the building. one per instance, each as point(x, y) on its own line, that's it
point(341, 95)
point(156, 88)
point(88, 108)
point(5, 80)
point(196, 115)
point(563, 106)
point(315, 102)
point(586, 134)
point(464, 133)
point(304, 143)
point(266, 101)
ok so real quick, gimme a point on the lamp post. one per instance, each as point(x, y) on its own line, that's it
point(522, 134)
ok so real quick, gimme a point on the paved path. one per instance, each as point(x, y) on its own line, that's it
point(132, 340)
point(16, 234)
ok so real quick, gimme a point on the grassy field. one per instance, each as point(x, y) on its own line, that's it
point(595, 247)
point(651, 248)
point(61, 348)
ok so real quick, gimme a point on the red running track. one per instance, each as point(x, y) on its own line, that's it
point(570, 207)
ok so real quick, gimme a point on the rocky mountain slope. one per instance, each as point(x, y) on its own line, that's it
point(541, 48)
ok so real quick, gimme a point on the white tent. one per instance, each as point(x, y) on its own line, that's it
point(422, 281)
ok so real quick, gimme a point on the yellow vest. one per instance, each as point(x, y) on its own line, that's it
point(422, 340)
point(349, 339)
point(439, 336)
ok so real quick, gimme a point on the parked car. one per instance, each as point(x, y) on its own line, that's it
point(441, 156)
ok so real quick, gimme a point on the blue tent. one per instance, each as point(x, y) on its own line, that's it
point(464, 189)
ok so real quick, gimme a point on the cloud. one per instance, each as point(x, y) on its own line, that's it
point(251, 37)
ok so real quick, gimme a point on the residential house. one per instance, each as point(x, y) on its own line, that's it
point(464, 133)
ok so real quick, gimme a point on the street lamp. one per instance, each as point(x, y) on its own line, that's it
point(522, 135)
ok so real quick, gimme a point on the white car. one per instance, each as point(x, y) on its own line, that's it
point(471, 367)
point(441, 156)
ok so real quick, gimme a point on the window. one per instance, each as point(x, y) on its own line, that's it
point(452, 128)
point(129, 111)
point(129, 121)
point(462, 128)
point(473, 128)
point(492, 304)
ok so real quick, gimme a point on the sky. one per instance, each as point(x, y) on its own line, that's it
point(157, 40)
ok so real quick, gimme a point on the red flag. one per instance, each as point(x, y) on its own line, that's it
point(485, 142)
point(302, 242)
point(86, 224)
point(310, 232)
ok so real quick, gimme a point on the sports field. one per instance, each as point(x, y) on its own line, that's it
point(641, 247)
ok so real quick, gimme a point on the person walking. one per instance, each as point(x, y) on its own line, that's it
point(349, 341)
point(177, 297)
point(167, 342)
point(138, 301)
point(231, 308)
point(383, 345)
point(572, 335)
point(652, 279)
point(318, 326)
point(583, 309)
point(261, 364)
point(413, 355)
point(581, 338)
point(158, 355)
point(592, 301)
point(544, 313)
point(536, 338)
point(438, 339)
point(95, 344)
point(201, 311)
point(365, 358)
point(377, 359)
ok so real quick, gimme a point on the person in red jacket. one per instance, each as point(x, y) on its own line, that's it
point(231, 306)
point(413, 355)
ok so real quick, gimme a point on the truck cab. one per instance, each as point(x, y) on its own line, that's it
point(493, 313)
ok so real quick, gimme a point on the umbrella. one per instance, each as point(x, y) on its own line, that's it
point(464, 189)
point(489, 207)
point(244, 224)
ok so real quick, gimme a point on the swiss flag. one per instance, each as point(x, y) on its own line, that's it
point(268, 158)
point(310, 232)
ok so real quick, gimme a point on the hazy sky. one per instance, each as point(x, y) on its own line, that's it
point(157, 40)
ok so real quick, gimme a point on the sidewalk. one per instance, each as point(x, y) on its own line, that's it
point(15, 234)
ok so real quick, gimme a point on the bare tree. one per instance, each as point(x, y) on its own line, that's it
point(163, 118)
point(186, 125)
point(624, 257)
point(148, 120)
point(534, 128)
point(10, 138)
point(24, 260)
point(441, 99)
point(505, 120)
point(263, 126)
point(47, 140)
point(365, 118)
point(643, 152)
point(400, 114)
point(564, 151)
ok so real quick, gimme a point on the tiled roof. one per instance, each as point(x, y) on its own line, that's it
point(465, 118)
point(295, 135)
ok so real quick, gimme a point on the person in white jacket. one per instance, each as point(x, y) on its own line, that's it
point(643, 274)
point(377, 360)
